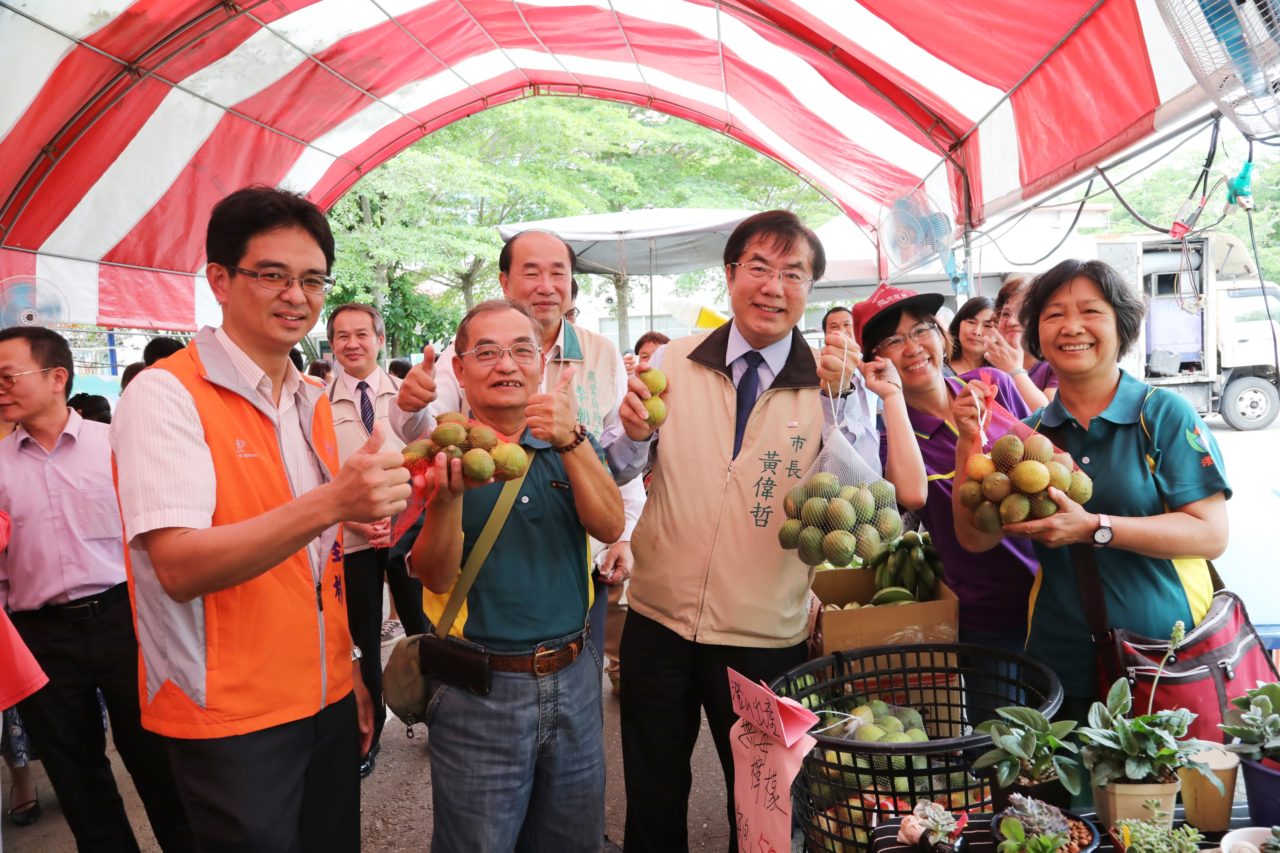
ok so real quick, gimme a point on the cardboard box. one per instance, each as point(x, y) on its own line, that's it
point(926, 621)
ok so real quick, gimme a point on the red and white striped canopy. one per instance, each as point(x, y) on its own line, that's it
point(123, 121)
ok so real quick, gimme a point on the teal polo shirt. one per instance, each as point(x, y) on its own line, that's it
point(1147, 451)
point(534, 585)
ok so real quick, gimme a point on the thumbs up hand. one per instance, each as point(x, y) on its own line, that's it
point(373, 484)
point(553, 416)
point(418, 389)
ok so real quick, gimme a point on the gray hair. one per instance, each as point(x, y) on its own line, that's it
point(379, 327)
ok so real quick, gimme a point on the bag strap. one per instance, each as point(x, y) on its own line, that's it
point(480, 551)
point(1089, 583)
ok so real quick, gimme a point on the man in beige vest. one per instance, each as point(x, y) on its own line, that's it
point(361, 394)
point(536, 270)
point(712, 587)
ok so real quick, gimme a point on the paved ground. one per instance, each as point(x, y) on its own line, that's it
point(396, 798)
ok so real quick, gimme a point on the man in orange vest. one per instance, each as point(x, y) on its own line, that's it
point(233, 503)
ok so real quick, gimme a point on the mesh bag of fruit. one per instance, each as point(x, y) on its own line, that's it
point(843, 511)
point(485, 456)
point(1010, 481)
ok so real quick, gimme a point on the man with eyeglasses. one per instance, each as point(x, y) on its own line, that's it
point(747, 404)
point(233, 503)
point(64, 579)
point(535, 269)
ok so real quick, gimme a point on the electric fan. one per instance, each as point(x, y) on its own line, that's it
point(1231, 47)
point(913, 231)
point(30, 301)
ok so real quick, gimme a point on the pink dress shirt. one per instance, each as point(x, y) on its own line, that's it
point(66, 541)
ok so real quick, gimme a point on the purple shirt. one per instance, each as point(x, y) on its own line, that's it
point(993, 587)
point(1042, 376)
point(66, 541)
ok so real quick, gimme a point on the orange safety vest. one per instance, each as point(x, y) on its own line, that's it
point(268, 651)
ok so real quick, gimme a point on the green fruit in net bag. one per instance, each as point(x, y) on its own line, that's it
point(483, 437)
point(1030, 476)
point(449, 434)
point(477, 465)
point(418, 451)
point(864, 504)
point(840, 515)
point(451, 418)
point(839, 547)
point(814, 511)
point(1037, 448)
point(789, 533)
point(1015, 508)
point(1007, 451)
point(1081, 487)
point(987, 517)
point(869, 541)
point(883, 493)
point(996, 487)
point(509, 461)
point(810, 546)
point(1059, 475)
point(824, 485)
point(1042, 506)
point(792, 502)
point(888, 523)
point(970, 493)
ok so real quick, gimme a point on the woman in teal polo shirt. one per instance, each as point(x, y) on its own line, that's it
point(1158, 508)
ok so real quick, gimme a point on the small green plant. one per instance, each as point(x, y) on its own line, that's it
point(1254, 722)
point(1154, 835)
point(1145, 749)
point(1014, 839)
point(1177, 635)
point(1028, 749)
point(1035, 816)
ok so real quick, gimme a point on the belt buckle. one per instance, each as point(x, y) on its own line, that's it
point(544, 655)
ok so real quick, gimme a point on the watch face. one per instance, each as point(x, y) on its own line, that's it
point(1102, 535)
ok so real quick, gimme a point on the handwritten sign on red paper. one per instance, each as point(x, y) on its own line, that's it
point(769, 743)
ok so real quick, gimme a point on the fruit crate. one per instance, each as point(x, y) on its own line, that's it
point(845, 788)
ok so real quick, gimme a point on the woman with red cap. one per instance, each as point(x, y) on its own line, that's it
point(993, 588)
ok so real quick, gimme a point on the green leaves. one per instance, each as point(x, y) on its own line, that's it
point(1254, 723)
point(1025, 745)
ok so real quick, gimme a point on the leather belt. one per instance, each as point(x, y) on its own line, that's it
point(542, 662)
point(88, 607)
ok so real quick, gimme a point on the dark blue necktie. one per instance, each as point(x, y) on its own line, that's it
point(366, 405)
point(748, 388)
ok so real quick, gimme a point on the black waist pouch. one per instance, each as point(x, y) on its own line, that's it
point(455, 663)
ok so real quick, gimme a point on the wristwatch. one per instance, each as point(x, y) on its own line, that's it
point(1102, 536)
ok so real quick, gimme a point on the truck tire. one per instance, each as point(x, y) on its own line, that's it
point(1249, 403)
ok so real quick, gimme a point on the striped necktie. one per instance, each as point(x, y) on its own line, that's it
point(366, 405)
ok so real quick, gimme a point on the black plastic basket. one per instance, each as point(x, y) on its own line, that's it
point(846, 788)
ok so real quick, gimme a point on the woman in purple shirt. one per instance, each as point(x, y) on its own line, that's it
point(1034, 379)
point(993, 587)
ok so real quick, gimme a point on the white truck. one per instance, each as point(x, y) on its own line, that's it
point(1208, 334)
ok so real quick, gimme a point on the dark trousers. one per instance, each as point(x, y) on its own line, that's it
point(666, 680)
point(292, 788)
point(365, 571)
point(406, 589)
point(64, 720)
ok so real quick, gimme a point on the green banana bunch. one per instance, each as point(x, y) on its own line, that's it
point(908, 564)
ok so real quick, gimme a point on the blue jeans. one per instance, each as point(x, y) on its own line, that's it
point(522, 768)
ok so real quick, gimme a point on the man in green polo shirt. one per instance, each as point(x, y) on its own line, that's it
point(523, 764)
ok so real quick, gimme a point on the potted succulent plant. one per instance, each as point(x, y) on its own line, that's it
point(1030, 756)
point(1254, 722)
point(1155, 834)
point(1029, 825)
point(1136, 759)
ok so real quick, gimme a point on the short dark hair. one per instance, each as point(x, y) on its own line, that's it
point(651, 338)
point(399, 367)
point(130, 372)
point(158, 348)
point(320, 369)
point(781, 228)
point(92, 407)
point(1127, 304)
point(509, 247)
point(379, 325)
point(834, 309)
point(460, 339)
point(972, 307)
point(48, 349)
point(255, 210)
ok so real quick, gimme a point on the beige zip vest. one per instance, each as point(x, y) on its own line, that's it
point(708, 563)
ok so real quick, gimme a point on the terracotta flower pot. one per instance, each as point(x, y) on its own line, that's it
point(1124, 800)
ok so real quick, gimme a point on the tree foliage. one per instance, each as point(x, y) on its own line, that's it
point(418, 235)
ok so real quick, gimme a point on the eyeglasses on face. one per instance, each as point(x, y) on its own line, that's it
point(8, 380)
point(281, 281)
point(492, 353)
point(572, 314)
point(895, 343)
point(762, 272)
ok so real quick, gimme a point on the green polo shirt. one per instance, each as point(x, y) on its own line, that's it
point(1147, 451)
point(534, 585)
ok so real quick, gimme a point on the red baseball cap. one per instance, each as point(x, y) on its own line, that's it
point(885, 306)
